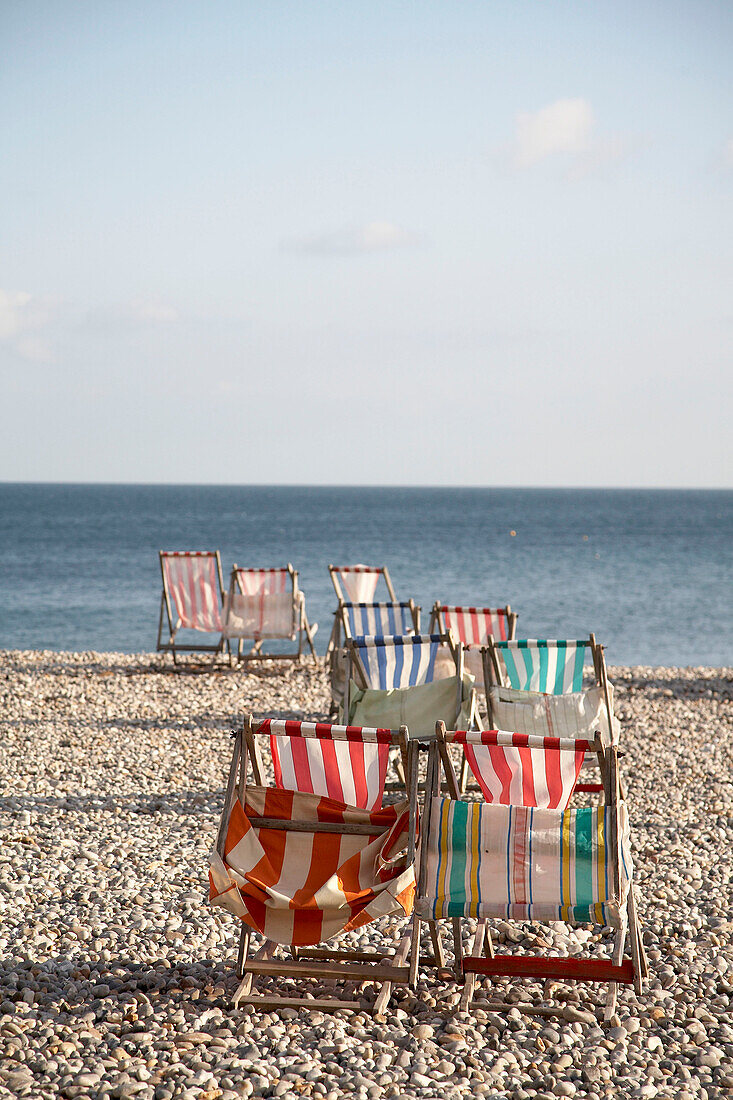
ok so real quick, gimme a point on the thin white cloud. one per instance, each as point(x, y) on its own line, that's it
point(22, 321)
point(376, 236)
point(567, 128)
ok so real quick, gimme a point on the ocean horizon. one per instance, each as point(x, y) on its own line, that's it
point(647, 570)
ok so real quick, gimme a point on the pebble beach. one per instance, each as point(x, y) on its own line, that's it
point(116, 978)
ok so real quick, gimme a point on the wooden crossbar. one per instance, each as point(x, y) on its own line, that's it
point(588, 788)
point(528, 966)
point(318, 968)
point(316, 826)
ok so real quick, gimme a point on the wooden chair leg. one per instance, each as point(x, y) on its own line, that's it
point(618, 957)
point(245, 986)
point(399, 960)
point(243, 951)
point(457, 948)
point(437, 943)
point(414, 951)
point(474, 950)
point(463, 778)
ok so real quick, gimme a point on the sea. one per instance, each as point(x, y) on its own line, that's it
point(648, 571)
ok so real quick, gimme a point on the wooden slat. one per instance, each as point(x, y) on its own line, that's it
point(363, 972)
point(316, 826)
point(315, 1004)
point(525, 966)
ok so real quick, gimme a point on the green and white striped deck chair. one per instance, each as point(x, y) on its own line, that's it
point(531, 859)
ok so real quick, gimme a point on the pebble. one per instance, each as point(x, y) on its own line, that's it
point(116, 977)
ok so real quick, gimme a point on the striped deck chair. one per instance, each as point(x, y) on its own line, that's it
point(358, 583)
point(359, 620)
point(537, 687)
point(266, 604)
point(396, 677)
point(523, 854)
point(192, 598)
point(316, 855)
point(473, 626)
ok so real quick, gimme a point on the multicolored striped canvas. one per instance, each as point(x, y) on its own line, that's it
point(378, 619)
point(301, 888)
point(192, 581)
point(518, 769)
point(398, 662)
point(348, 763)
point(473, 625)
point(522, 863)
point(535, 664)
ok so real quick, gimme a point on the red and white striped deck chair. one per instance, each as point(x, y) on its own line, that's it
point(523, 854)
point(472, 626)
point(300, 866)
point(192, 598)
point(358, 583)
point(266, 604)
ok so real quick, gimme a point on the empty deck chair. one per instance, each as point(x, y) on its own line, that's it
point(266, 604)
point(522, 854)
point(393, 678)
point(299, 865)
point(359, 620)
point(192, 598)
point(473, 626)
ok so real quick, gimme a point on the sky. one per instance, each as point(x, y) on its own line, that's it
point(460, 243)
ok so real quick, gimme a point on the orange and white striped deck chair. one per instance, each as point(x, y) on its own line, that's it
point(523, 853)
point(192, 598)
point(266, 604)
point(316, 854)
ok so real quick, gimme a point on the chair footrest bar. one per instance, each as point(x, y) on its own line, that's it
point(525, 966)
point(589, 788)
point(314, 1004)
point(362, 972)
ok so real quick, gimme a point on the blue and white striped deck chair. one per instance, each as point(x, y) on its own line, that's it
point(362, 620)
point(381, 671)
point(538, 664)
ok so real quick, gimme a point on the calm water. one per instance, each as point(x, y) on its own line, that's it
point(79, 566)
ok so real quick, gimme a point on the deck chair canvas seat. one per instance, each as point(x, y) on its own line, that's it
point(526, 855)
point(192, 599)
point(358, 583)
point(396, 676)
point(266, 604)
point(299, 866)
point(473, 626)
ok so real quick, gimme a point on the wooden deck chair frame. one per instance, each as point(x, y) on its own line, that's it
point(300, 620)
point(493, 676)
point(356, 671)
point(437, 616)
point(481, 959)
point(167, 605)
point(317, 962)
point(334, 572)
point(336, 654)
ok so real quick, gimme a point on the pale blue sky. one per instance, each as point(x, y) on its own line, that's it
point(398, 243)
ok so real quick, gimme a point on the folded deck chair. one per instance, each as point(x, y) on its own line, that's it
point(393, 680)
point(521, 854)
point(192, 597)
point(473, 626)
point(266, 604)
point(315, 855)
point(358, 583)
point(361, 620)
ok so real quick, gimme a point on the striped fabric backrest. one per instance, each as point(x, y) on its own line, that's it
point(262, 582)
point(192, 581)
point(473, 625)
point(377, 619)
point(522, 863)
point(348, 763)
point(518, 769)
point(535, 664)
point(398, 662)
point(359, 581)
